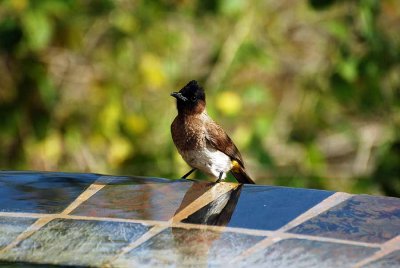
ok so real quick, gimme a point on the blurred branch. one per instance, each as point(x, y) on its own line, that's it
point(229, 49)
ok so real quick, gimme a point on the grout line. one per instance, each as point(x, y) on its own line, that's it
point(39, 223)
point(386, 248)
point(279, 234)
point(24, 214)
point(90, 218)
point(167, 224)
point(221, 229)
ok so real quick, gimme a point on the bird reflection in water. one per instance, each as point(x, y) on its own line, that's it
point(201, 245)
point(219, 211)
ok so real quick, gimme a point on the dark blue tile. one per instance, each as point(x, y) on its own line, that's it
point(41, 192)
point(362, 218)
point(11, 227)
point(269, 208)
point(388, 261)
point(299, 253)
point(75, 242)
point(188, 248)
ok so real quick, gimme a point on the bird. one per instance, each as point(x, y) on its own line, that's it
point(201, 142)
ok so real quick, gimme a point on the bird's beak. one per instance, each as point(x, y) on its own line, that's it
point(179, 96)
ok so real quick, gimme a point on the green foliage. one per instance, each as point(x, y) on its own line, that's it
point(309, 91)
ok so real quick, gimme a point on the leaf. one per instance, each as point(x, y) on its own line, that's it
point(229, 103)
point(37, 29)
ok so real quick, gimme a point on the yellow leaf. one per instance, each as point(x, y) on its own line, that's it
point(229, 103)
point(152, 71)
point(136, 124)
point(119, 151)
point(47, 151)
point(124, 21)
point(19, 5)
point(109, 119)
point(52, 147)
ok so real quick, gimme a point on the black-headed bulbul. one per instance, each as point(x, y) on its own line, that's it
point(202, 143)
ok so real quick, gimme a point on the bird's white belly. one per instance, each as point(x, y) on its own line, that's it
point(209, 161)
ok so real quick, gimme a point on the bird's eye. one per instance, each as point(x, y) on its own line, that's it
point(194, 98)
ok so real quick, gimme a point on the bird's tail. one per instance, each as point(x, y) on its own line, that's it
point(241, 176)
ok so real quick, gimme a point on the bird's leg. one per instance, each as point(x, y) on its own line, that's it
point(220, 177)
point(187, 174)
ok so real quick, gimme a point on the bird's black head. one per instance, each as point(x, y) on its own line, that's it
point(191, 99)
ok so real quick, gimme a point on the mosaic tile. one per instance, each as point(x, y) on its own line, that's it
point(187, 248)
point(388, 261)
point(75, 242)
point(155, 201)
point(92, 243)
point(41, 192)
point(299, 253)
point(11, 227)
point(269, 208)
point(362, 218)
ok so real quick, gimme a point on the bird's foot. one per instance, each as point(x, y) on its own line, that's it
point(219, 177)
point(187, 174)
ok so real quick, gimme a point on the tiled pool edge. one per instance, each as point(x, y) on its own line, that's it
point(272, 237)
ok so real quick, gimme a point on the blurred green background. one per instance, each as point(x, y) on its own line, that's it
point(308, 90)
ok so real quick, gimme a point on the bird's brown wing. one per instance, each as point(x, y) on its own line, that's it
point(217, 137)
